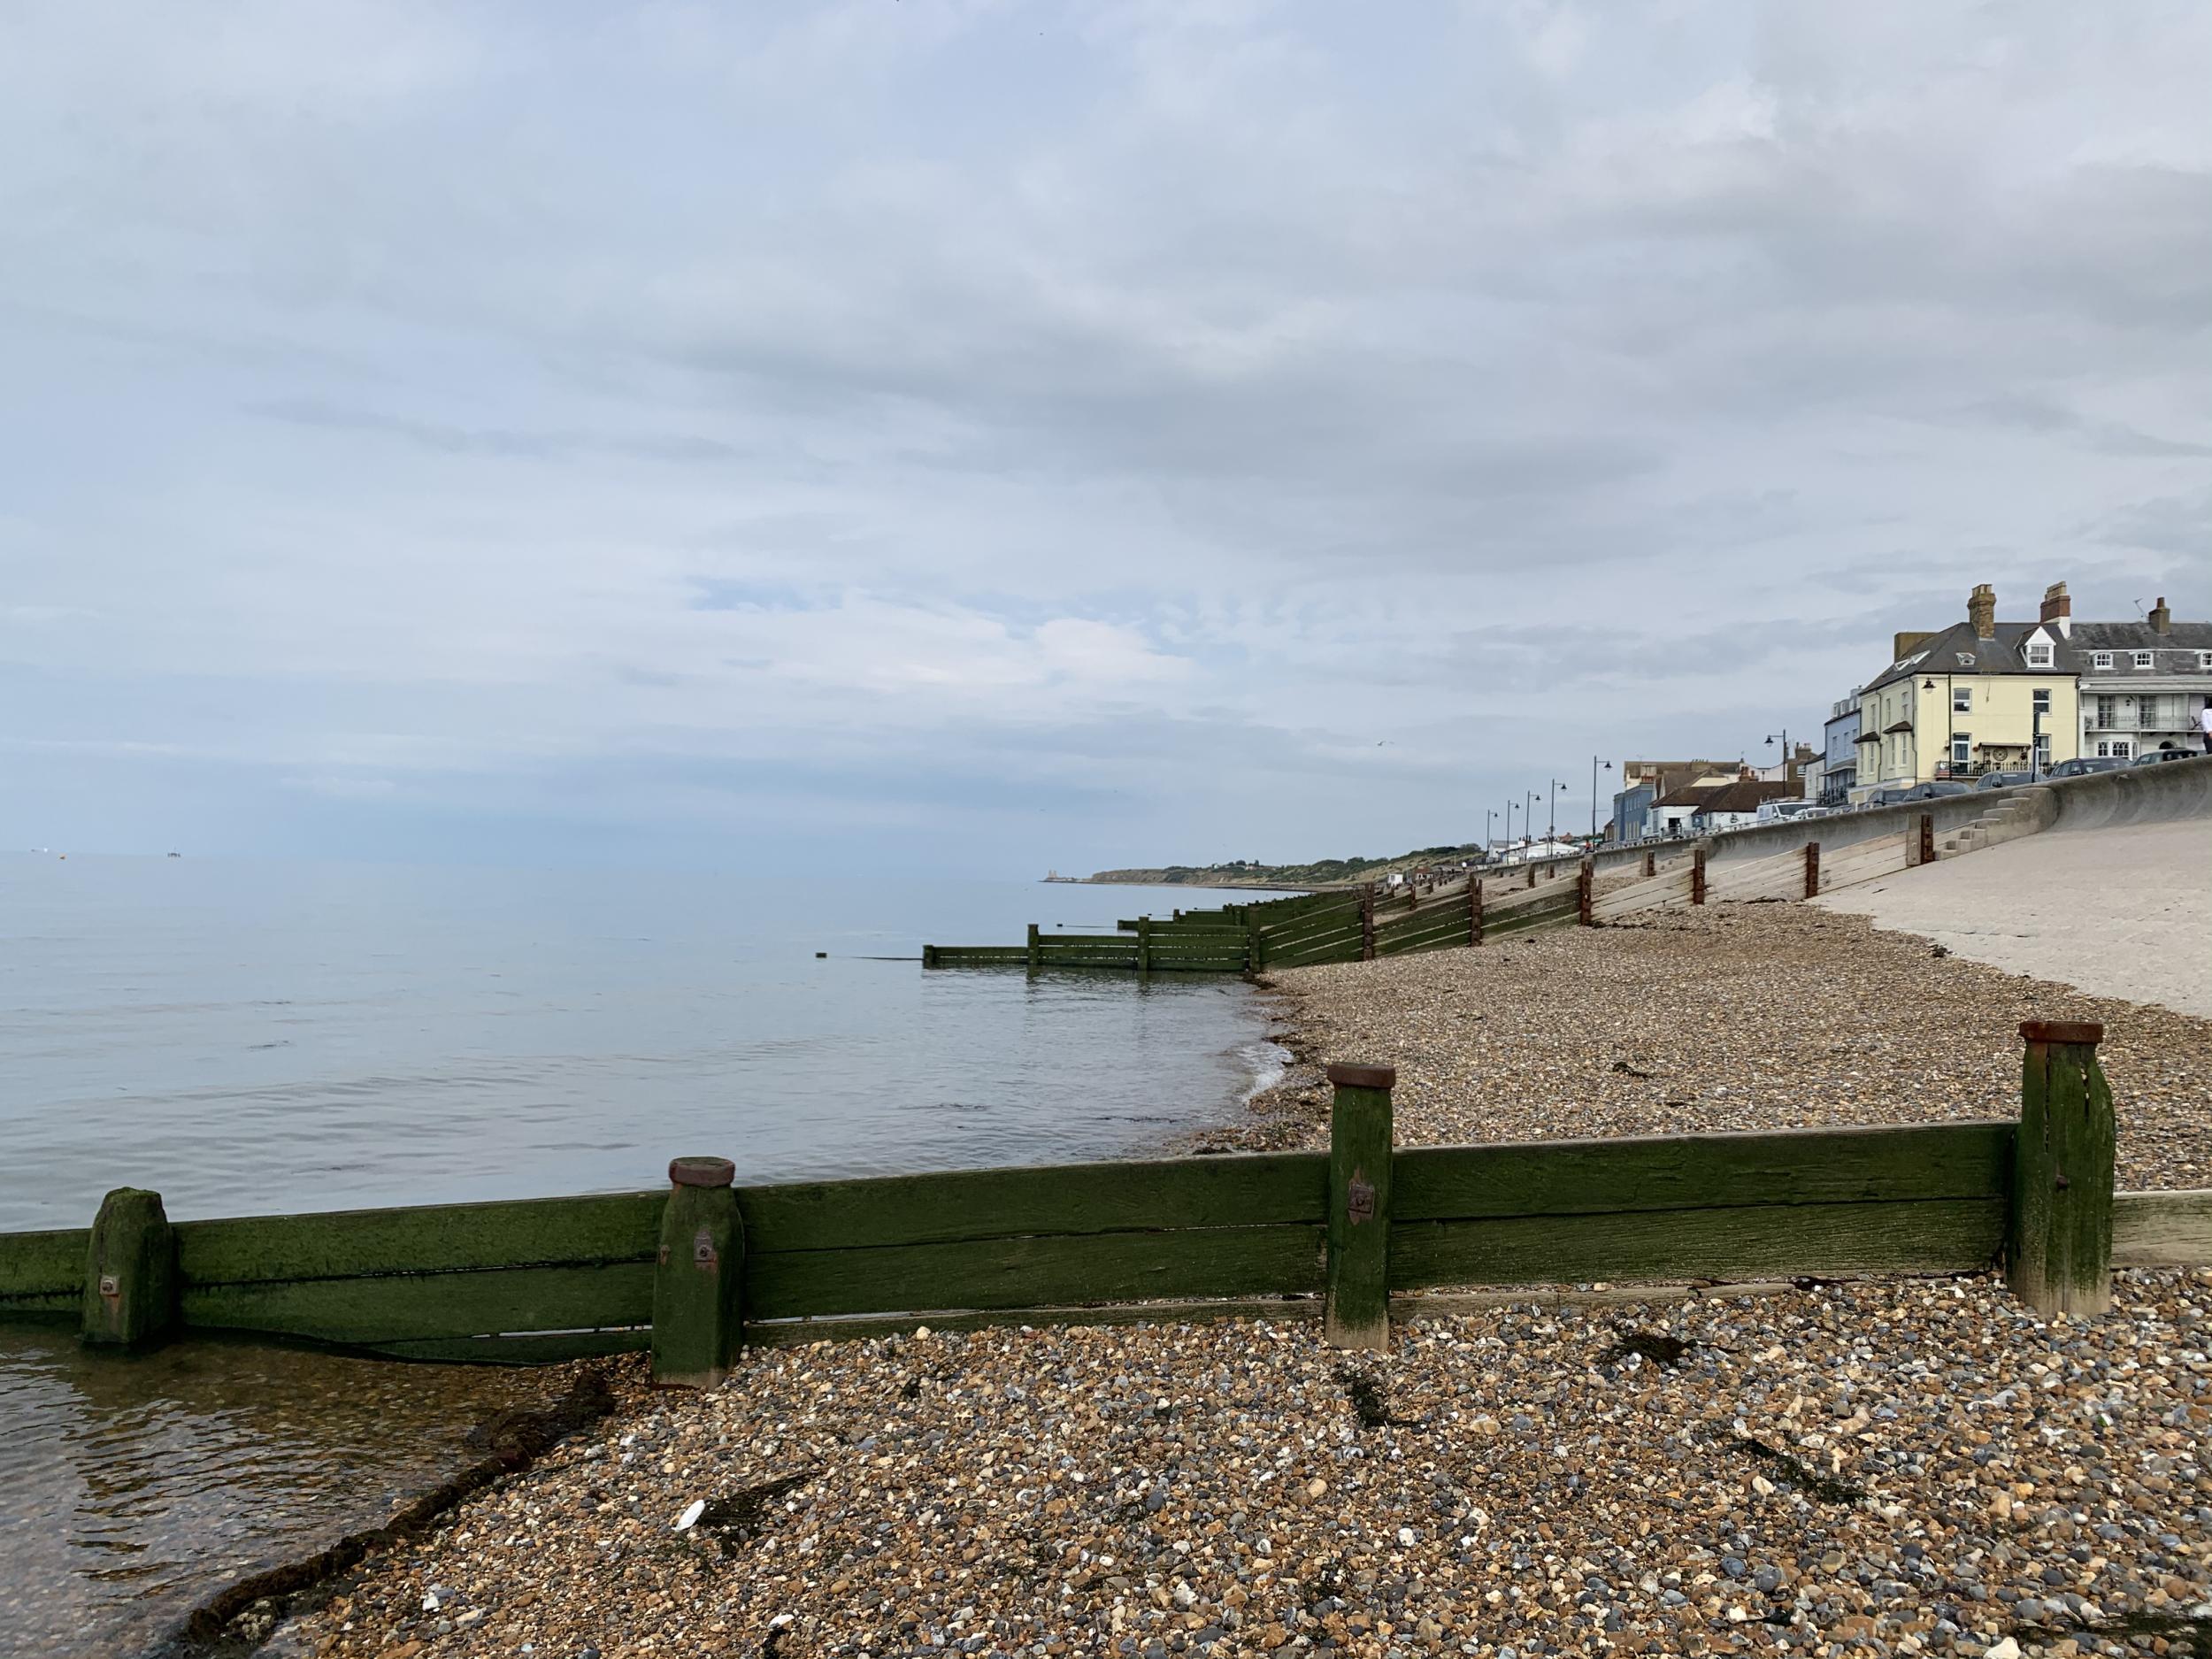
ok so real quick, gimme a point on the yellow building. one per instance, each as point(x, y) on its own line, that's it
point(1969, 700)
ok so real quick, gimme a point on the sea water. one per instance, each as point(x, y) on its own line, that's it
point(249, 1038)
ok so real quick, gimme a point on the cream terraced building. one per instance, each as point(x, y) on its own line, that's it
point(1978, 696)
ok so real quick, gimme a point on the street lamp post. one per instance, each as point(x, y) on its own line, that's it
point(1593, 795)
point(1556, 788)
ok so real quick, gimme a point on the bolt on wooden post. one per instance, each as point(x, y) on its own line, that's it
point(2058, 1242)
point(698, 1305)
point(1357, 1312)
point(130, 1276)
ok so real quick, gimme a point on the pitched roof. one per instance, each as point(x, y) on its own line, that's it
point(1694, 794)
point(2132, 636)
point(1745, 795)
point(1941, 653)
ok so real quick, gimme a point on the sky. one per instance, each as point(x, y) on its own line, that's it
point(971, 437)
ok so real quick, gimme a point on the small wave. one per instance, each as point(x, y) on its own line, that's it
point(1268, 1062)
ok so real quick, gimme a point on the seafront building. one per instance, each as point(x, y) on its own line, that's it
point(1643, 782)
point(1980, 695)
point(2143, 685)
point(1839, 752)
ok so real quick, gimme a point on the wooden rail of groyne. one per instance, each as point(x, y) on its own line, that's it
point(1361, 924)
point(694, 1272)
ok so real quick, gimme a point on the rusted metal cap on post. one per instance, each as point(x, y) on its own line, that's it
point(2063, 1030)
point(702, 1172)
point(1363, 1076)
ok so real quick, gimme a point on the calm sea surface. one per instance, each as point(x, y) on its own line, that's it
point(248, 1037)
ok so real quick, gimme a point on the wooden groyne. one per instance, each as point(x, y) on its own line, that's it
point(696, 1271)
point(1361, 924)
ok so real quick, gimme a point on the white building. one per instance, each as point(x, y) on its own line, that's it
point(2142, 684)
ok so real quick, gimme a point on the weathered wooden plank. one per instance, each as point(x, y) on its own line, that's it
point(1315, 955)
point(2163, 1229)
point(1929, 1235)
point(1879, 852)
point(538, 1348)
point(43, 1263)
point(402, 1307)
point(1781, 884)
point(1307, 929)
point(437, 1238)
point(1238, 1189)
point(1784, 1167)
point(1335, 940)
point(1451, 939)
point(1754, 876)
point(1529, 920)
point(1509, 901)
point(1436, 934)
point(1031, 1271)
point(1673, 888)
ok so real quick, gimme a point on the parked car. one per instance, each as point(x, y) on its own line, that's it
point(2159, 757)
point(2083, 764)
point(2003, 780)
point(1940, 786)
point(1889, 795)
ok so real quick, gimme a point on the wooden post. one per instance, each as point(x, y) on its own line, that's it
point(130, 1275)
point(1367, 923)
point(1474, 909)
point(1255, 942)
point(1812, 869)
point(1697, 875)
point(1651, 861)
point(1927, 838)
point(1036, 950)
point(1586, 890)
point(1358, 1305)
point(929, 956)
point(1413, 895)
point(1531, 872)
point(2058, 1241)
point(698, 1311)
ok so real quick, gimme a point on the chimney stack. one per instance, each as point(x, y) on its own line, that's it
point(2162, 618)
point(2059, 609)
point(1981, 611)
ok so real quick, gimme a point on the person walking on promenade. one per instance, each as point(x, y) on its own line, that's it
point(2204, 725)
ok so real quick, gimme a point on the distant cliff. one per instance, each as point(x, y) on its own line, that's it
point(1322, 872)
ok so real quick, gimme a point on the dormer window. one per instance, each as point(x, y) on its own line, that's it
point(1966, 659)
point(2101, 659)
point(2144, 659)
point(2204, 661)
point(2039, 654)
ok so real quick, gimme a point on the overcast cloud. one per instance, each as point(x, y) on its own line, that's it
point(981, 436)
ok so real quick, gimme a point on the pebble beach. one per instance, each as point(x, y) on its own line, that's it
point(1890, 1466)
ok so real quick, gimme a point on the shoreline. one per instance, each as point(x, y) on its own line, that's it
point(1020, 1511)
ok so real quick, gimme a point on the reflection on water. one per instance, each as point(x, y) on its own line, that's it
point(136, 1486)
